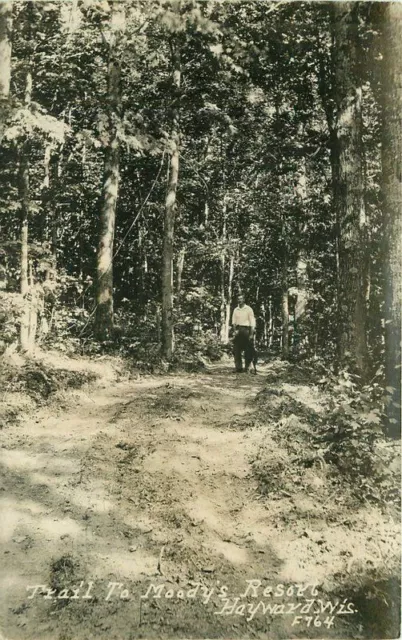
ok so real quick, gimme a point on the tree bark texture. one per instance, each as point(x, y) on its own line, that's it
point(55, 179)
point(229, 297)
point(301, 300)
point(180, 267)
point(301, 264)
point(285, 308)
point(349, 192)
point(24, 281)
point(104, 292)
point(170, 214)
point(24, 207)
point(392, 206)
point(6, 7)
point(26, 338)
point(223, 337)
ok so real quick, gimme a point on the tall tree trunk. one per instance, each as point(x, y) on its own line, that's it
point(46, 193)
point(23, 187)
point(335, 182)
point(229, 297)
point(6, 7)
point(180, 267)
point(142, 261)
point(285, 308)
point(104, 275)
point(223, 275)
point(270, 322)
point(350, 189)
point(301, 300)
point(301, 265)
point(264, 324)
point(24, 203)
point(24, 281)
point(334, 156)
point(158, 323)
point(170, 214)
point(392, 206)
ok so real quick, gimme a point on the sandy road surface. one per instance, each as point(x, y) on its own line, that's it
point(143, 485)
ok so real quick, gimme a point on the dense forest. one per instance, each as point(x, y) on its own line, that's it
point(159, 160)
point(159, 157)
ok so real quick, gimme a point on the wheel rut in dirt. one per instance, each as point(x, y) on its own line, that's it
point(139, 482)
point(147, 486)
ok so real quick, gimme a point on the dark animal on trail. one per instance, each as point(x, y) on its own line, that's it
point(255, 359)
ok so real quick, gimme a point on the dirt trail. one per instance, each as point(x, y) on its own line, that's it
point(143, 483)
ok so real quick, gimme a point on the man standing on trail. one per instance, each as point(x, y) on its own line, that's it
point(243, 322)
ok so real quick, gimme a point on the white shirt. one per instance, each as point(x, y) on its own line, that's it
point(244, 316)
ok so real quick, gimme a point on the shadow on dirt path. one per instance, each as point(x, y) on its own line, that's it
point(139, 495)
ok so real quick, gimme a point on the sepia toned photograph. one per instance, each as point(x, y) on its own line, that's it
point(200, 319)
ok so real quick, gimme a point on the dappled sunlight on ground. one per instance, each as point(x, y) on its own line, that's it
point(124, 565)
point(152, 480)
point(23, 460)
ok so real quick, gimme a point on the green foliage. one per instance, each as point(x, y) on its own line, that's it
point(11, 306)
point(345, 438)
point(33, 122)
point(354, 437)
point(203, 345)
point(255, 109)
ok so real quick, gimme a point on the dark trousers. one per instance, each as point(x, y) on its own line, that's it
point(242, 342)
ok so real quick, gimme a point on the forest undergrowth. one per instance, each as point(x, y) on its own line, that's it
point(323, 439)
